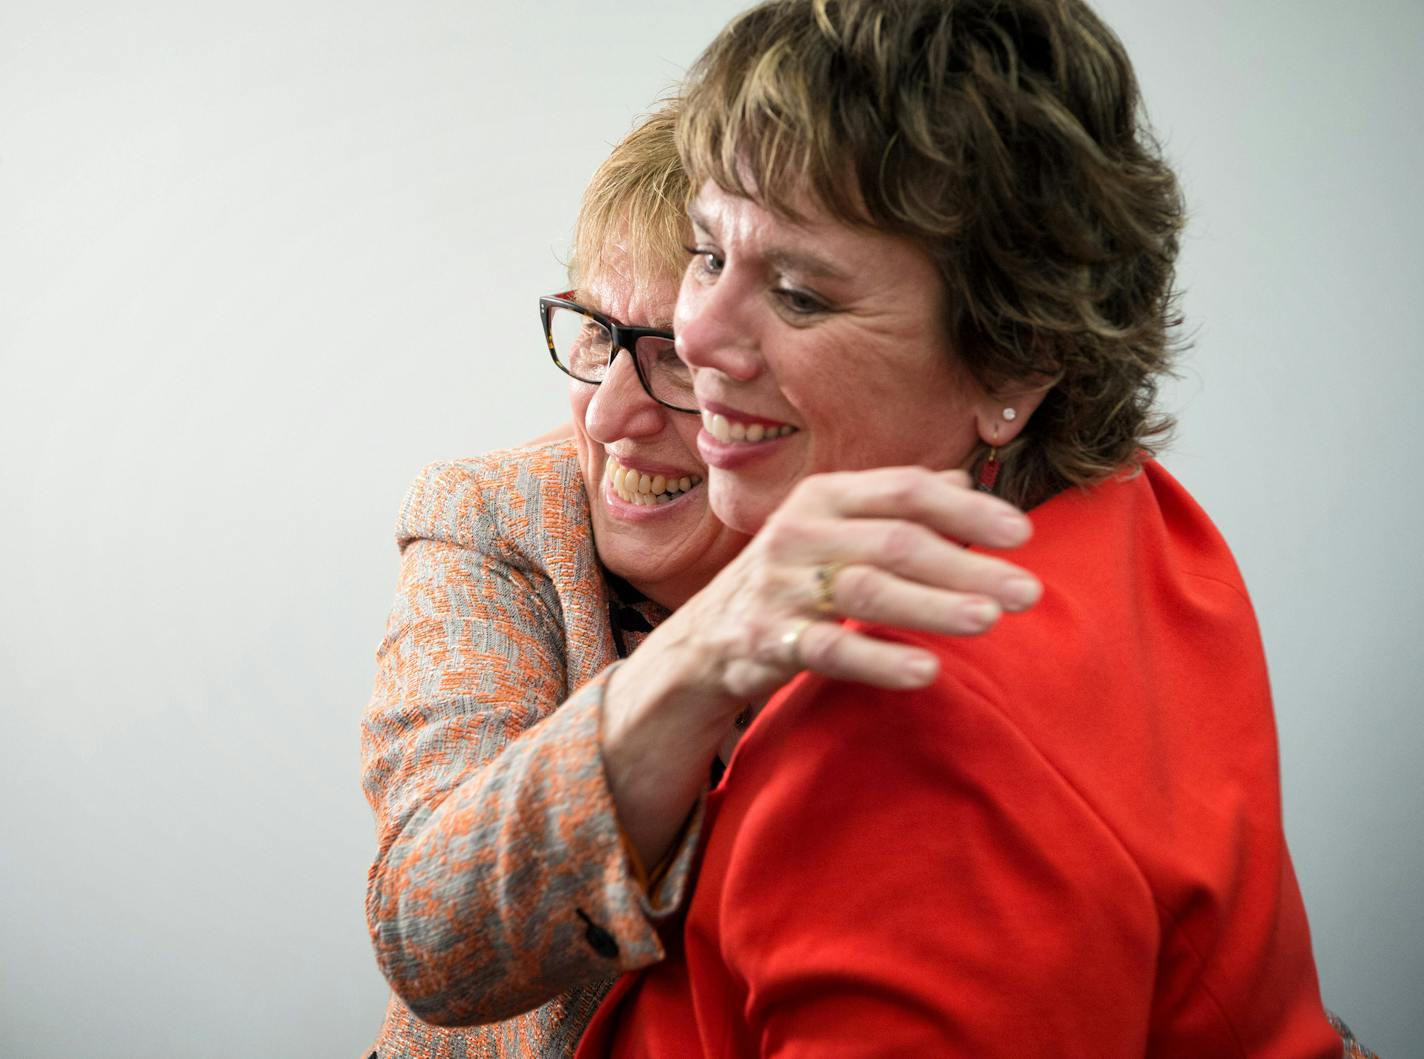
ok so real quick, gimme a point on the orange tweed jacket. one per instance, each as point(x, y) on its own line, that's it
point(500, 892)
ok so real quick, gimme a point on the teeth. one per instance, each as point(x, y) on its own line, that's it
point(727, 430)
point(643, 490)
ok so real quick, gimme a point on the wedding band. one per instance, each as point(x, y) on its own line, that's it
point(826, 587)
point(791, 640)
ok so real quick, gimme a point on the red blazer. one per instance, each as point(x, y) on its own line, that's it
point(1069, 846)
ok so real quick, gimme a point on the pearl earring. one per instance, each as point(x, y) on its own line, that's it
point(1010, 414)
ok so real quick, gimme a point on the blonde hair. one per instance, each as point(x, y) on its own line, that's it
point(1003, 136)
point(638, 196)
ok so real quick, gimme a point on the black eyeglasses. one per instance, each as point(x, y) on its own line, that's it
point(584, 342)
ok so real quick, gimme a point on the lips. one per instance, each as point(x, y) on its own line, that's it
point(634, 486)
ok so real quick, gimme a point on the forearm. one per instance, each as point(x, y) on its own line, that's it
point(665, 717)
point(485, 905)
point(498, 845)
point(495, 826)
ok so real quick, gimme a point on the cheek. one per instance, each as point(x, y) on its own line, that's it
point(685, 427)
point(839, 407)
point(579, 397)
point(589, 451)
point(872, 413)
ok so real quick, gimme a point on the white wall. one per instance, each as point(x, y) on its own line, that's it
point(260, 261)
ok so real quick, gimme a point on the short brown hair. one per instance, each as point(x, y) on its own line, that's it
point(639, 194)
point(1005, 137)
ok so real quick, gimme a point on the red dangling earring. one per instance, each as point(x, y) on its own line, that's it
point(989, 471)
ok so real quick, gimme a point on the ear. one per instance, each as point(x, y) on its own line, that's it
point(1000, 418)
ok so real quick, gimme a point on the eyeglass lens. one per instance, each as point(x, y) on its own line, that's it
point(584, 347)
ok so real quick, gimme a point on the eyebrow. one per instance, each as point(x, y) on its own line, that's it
point(585, 298)
point(785, 258)
point(807, 264)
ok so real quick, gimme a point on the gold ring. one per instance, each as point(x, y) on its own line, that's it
point(826, 587)
point(791, 640)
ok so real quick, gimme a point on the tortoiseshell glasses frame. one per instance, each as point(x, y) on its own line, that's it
point(586, 353)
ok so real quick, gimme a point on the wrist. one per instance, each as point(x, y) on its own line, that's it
point(657, 749)
point(670, 682)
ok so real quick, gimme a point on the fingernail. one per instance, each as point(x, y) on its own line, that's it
point(1011, 528)
point(1020, 593)
point(920, 671)
point(983, 613)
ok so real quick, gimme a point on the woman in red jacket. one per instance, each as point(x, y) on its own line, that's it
point(935, 233)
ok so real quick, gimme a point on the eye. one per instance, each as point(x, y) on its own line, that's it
point(592, 337)
point(799, 303)
point(704, 261)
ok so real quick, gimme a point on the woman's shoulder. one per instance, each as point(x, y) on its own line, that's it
point(531, 494)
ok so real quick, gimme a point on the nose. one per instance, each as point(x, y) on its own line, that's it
point(620, 407)
point(714, 323)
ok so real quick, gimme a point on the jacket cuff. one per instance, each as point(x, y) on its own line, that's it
point(660, 892)
point(617, 917)
point(671, 884)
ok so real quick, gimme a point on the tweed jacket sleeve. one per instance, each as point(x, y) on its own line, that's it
point(499, 880)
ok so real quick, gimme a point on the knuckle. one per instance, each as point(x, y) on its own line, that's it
point(784, 534)
point(900, 494)
point(755, 640)
point(810, 488)
point(909, 485)
point(763, 586)
point(900, 542)
point(773, 529)
point(820, 646)
point(863, 591)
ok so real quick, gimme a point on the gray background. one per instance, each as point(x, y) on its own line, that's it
point(260, 261)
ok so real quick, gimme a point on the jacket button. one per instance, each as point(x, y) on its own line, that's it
point(599, 940)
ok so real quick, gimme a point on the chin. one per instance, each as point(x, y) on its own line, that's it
point(742, 508)
point(642, 545)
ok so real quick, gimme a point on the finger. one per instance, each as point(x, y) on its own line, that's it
point(873, 595)
point(774, 661)
point(791, 642)
point(916, 554)
point(837, 652)
point(957, 478)
point(941, 501)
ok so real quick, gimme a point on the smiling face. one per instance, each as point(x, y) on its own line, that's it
point(815, 347)
point(662, 538)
